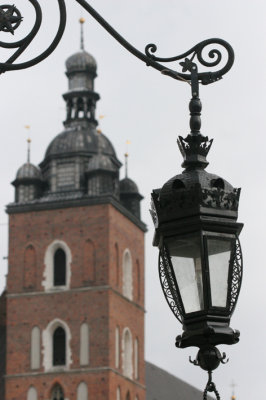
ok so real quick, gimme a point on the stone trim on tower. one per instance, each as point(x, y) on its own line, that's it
point(48, 274)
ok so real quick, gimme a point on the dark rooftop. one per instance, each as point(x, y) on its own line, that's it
point(161, 385)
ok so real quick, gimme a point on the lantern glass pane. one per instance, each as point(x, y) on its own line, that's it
point(185, 256)
point(219, 253)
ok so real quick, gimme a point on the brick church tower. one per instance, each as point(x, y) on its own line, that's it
point(75, 286)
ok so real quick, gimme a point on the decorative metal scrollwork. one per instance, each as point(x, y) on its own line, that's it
point(237, 273)
point(197, 51)
point(10, 19)
point(167, 282)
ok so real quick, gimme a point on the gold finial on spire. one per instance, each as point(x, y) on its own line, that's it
point(233, 385)
point(81, 21)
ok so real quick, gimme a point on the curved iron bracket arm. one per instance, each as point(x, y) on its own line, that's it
point(10, 19)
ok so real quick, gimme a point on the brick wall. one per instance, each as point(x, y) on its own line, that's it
point(97, 237)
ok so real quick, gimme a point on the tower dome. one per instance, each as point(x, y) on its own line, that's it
point(80, 138)
point(81, 61)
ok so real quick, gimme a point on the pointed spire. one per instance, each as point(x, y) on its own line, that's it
point(81, 21)
point(126, 165)
point(126, 158)
point(28, 152)
point(29, 142)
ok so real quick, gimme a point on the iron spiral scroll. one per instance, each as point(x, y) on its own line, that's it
point(11, 18)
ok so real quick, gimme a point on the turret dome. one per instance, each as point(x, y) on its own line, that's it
point(28, 171)
point(101, 162)
point(126, 185)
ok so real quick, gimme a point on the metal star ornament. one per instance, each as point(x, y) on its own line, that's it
point(10, 18)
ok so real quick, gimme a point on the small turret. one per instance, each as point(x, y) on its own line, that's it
point(129, 193)
point(28, 182)
point(102, 174)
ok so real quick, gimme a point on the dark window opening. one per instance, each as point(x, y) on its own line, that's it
point(217, 183)
point(177, 184)
point(57, 393)
point(59, 347)
point(59, 268)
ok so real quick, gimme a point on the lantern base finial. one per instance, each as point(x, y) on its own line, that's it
point(209, 358)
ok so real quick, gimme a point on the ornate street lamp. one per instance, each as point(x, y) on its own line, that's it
point(200, 261)
point(195, 213)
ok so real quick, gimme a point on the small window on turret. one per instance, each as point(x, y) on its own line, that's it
point(59, 268)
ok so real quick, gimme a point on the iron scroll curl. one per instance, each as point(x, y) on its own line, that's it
point(148, 57)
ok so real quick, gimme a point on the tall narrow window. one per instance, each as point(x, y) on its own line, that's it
point(32, 394)
point(117, 264)
point(35, 354)
point(57, 393)
point(117, 347)
point(84, 345)
point(82, 392)
point(59, 268)
point(136, 359)
point(128, 396)
point(118, 394)
point(59, 347)
point(138, 281)
point(127, 275)
point(29, 268)
point(127, 353)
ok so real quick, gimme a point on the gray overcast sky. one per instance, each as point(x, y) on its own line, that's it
point(151, 110)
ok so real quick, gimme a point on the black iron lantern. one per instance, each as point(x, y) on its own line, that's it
point(200, 261)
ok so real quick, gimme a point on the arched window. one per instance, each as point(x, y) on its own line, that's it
point(57, 271)
point(29, 268)
point(117, 264)
point(127, 353)
point(59, 347)
point(136, 359)
point(82, 392)
point(57, 393)
point(127, 274)
point(60, 353)
point(59, 268)
point(118, 394)
point(84, 344)
point(32, 394)
point(117, 347)
point(128, 396)
point(35, 355)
